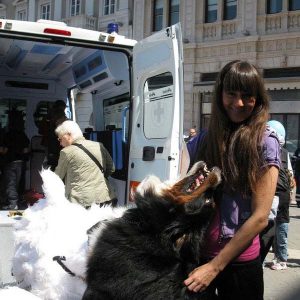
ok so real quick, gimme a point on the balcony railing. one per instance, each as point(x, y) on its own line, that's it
point(219, 30)
point(274, 23)
point(82, 21)
point(229, 29)
point(294, 20)
point(279, 23)
point(210, 31)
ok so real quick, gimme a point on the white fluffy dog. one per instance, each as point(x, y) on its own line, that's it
point(55, 227)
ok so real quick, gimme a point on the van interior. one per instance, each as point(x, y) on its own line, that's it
point(93, 82)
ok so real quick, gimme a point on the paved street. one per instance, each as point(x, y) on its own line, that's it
point(285, 285)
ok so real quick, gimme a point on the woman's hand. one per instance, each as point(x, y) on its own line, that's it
point(200, 278)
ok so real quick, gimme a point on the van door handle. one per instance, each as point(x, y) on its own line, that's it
point(170, 158)
point(124, 119)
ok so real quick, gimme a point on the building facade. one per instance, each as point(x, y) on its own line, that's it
point(89, 14)
point(264, 32)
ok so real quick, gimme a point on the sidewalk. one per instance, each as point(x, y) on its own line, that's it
point(285, 285)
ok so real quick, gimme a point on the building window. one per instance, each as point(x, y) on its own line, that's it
point(158, 15)
point(75, 7)
point(230, 9)
point(211, 9)
point(294, 4)
point(158, 94)
point(274, 6)
point(109, 7)
point(45, 11)
point(22, 15)
point(173, 12)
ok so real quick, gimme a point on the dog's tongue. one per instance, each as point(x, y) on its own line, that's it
point(198, 181)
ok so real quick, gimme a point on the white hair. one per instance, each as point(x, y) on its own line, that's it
point(70, 127)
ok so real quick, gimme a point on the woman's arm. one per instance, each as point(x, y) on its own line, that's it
point(262, 198)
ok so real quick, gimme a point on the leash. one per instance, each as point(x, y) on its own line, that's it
point(59, 260)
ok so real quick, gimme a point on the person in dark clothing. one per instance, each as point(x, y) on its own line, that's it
point(15, 150)
point(281, 233)
point(283, 192)
point(192, 134)
point(55, 117)
point(282, 221)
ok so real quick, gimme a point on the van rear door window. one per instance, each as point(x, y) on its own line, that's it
point(158, 106)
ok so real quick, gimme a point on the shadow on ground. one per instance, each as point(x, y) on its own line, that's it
point(293, 263)
point(295, 295)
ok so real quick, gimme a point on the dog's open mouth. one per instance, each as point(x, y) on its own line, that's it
point(195, 184)
point(197, 179)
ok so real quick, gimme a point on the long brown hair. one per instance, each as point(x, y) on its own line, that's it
point(236, 148)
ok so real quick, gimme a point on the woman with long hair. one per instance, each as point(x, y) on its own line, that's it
point(239, 143)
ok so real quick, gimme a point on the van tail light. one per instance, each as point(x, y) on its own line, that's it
point(132, 189)
point(57, 31)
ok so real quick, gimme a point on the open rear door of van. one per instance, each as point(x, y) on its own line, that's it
point(157, 113)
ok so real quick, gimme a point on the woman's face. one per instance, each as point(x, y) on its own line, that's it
point(65, 140)
point(238, 106)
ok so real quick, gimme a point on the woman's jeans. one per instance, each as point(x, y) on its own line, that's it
point(281, 240)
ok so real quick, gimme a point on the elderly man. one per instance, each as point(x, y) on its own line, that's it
point(84, 166)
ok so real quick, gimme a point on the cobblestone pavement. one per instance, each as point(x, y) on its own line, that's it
point(285, 284)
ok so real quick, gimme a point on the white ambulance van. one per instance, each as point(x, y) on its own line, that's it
point(126, 94)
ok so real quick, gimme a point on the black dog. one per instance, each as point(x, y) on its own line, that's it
point(148, 253)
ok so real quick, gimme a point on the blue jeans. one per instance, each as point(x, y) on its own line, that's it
point(281, 241)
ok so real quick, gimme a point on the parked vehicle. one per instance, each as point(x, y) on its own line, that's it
point(128, 94)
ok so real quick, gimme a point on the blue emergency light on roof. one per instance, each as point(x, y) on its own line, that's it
point(112, 27)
